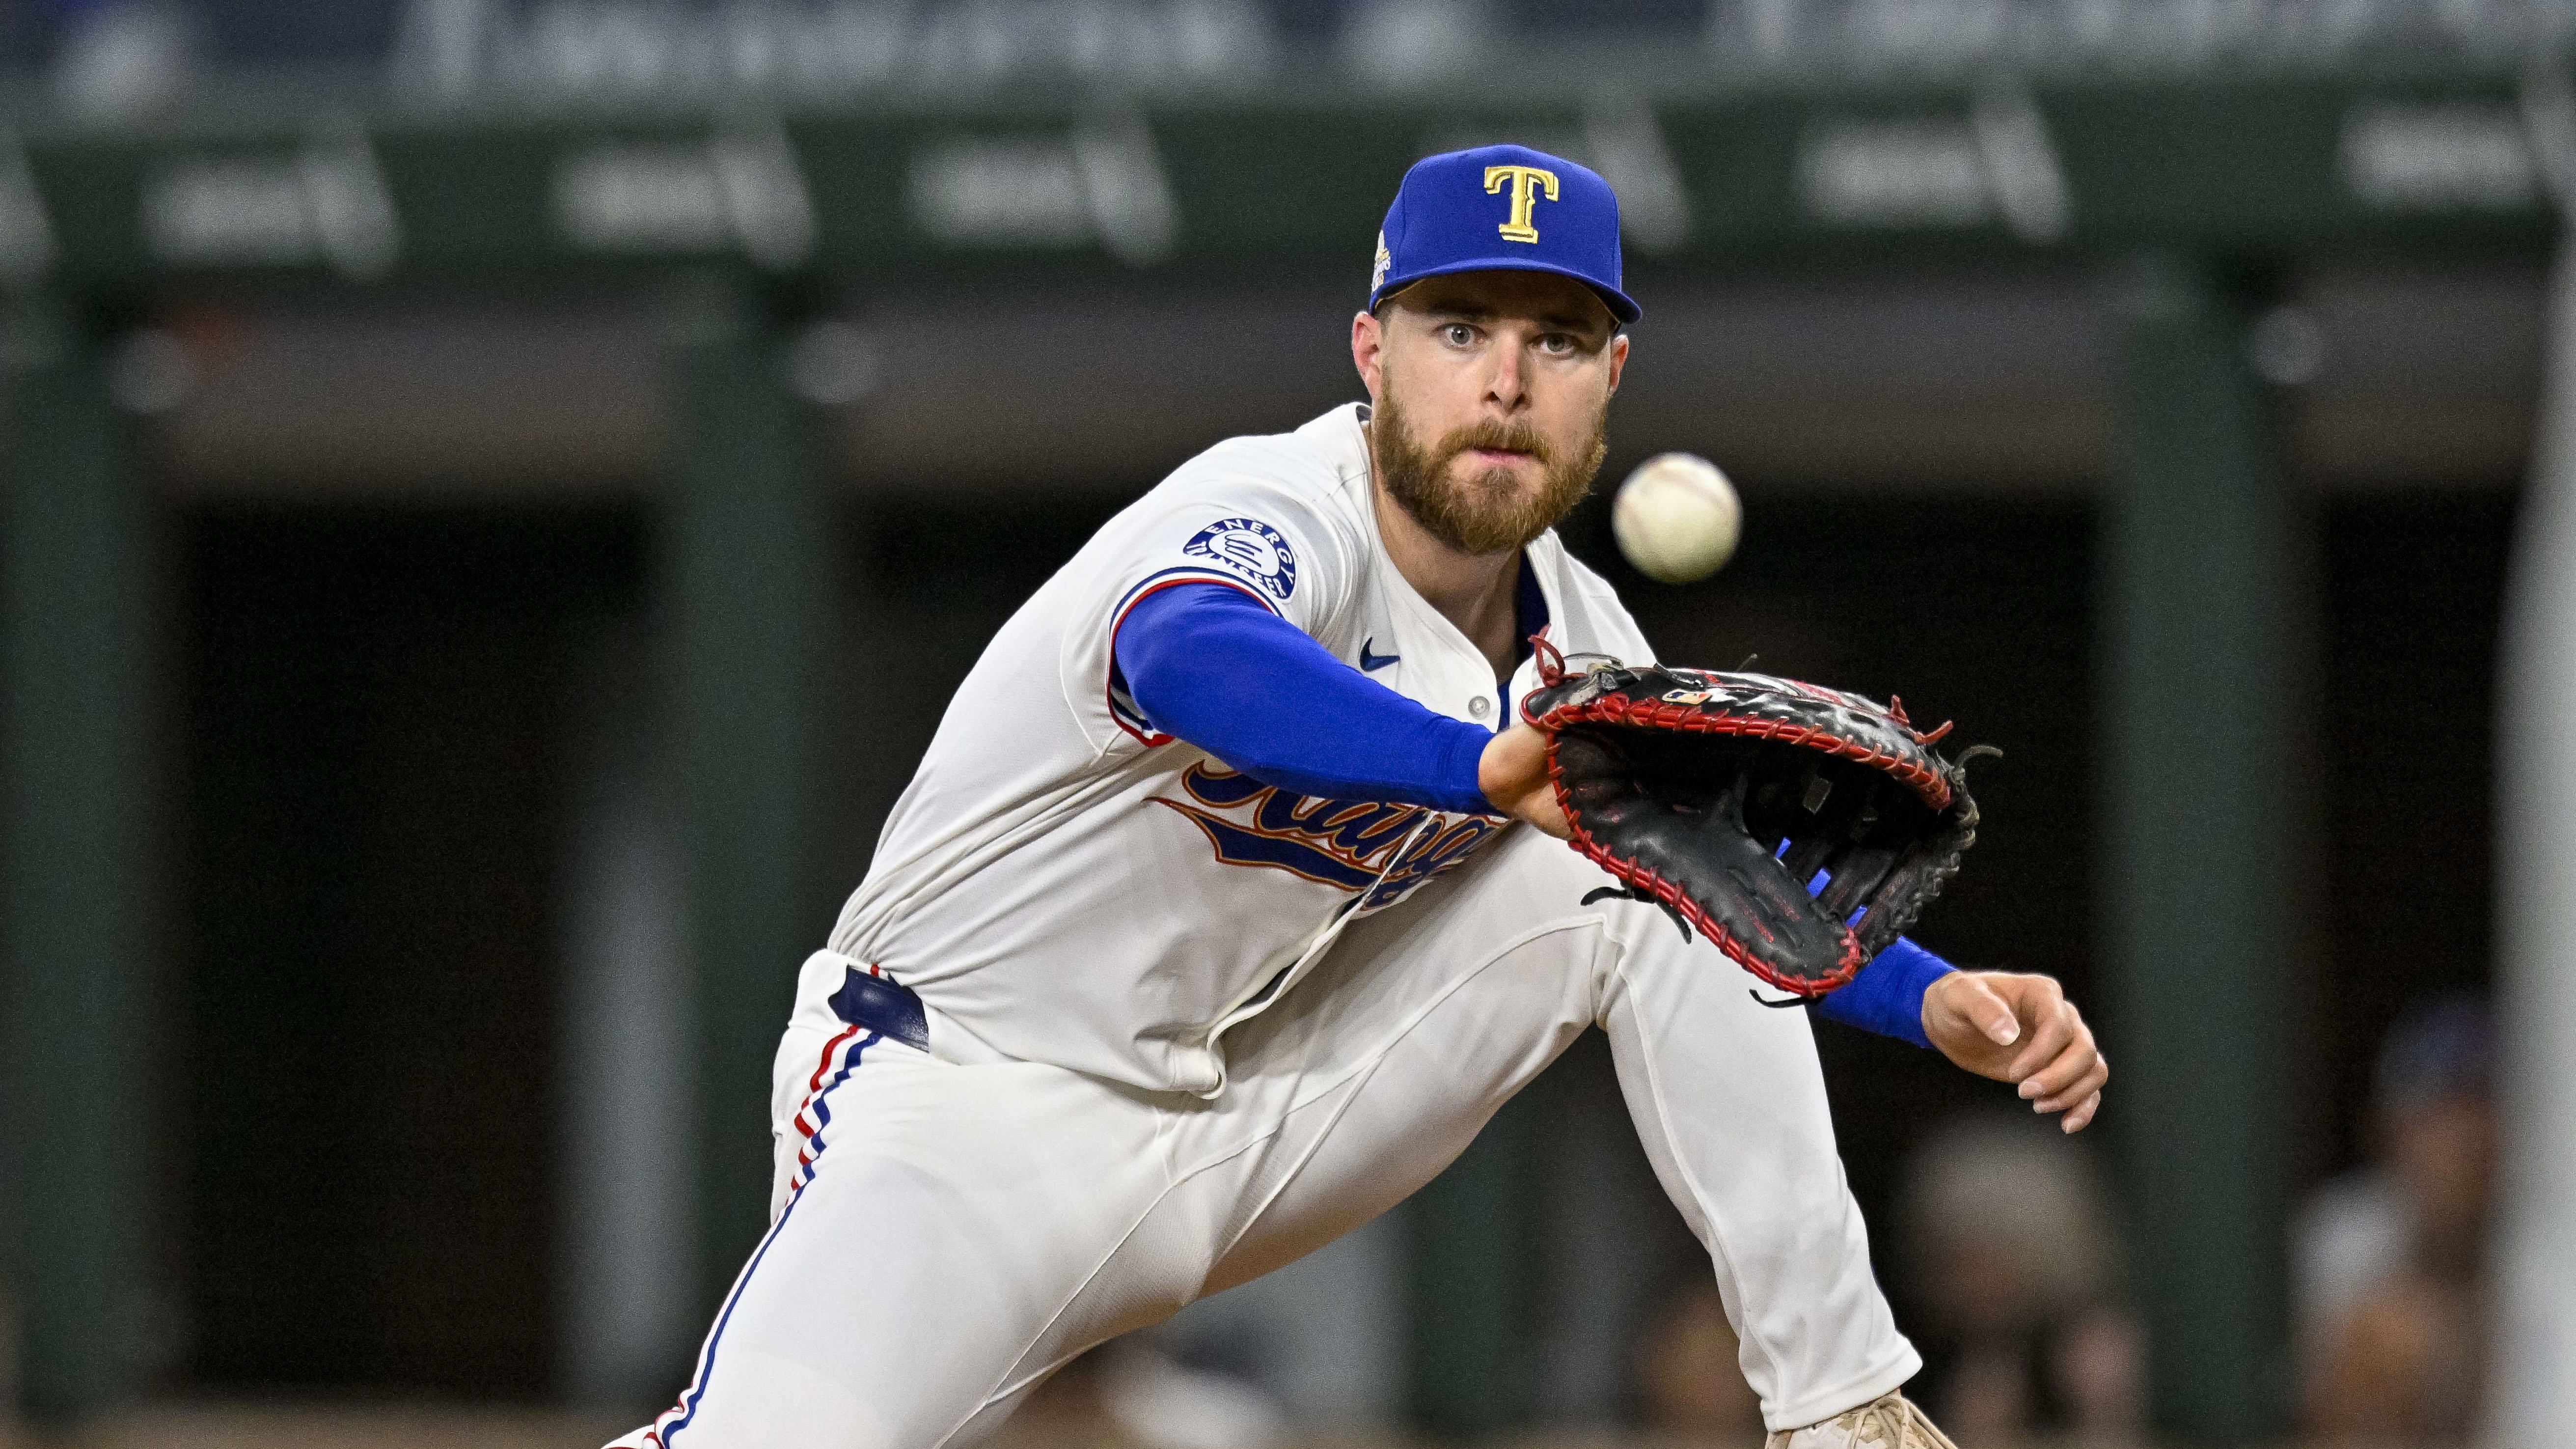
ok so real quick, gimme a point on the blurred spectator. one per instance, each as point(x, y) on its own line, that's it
point(120, 58)
point(1124, 1395)
point(2008, 1238)
point(1163, 1404)
point(1067, 1412)
point(1690, 1390)
point(2389, 1299)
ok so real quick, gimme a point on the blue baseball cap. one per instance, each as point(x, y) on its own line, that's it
point(1505, 208)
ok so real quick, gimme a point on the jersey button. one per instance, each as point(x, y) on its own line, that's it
point(1480, 706)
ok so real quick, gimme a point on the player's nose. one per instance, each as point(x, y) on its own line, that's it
point(1507, 386)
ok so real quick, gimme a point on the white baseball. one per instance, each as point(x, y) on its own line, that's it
point(1677, 518)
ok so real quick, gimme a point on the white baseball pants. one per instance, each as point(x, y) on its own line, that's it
point(946, 1235)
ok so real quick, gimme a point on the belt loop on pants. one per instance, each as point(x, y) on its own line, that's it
point(882, 1005)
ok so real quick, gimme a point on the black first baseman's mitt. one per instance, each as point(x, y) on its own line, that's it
point(1719, 797)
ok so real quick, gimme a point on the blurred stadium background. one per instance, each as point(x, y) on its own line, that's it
point(496, 491)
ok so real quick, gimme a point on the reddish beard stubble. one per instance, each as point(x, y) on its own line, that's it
point(1484, 513)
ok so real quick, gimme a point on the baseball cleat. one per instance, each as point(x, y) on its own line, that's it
point(1892, 1422)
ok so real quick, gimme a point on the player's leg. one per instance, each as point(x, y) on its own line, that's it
point(1729, 1101)
point(1429, 1017)
point(933, 1222)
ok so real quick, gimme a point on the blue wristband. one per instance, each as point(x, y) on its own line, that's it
point(1887, 996)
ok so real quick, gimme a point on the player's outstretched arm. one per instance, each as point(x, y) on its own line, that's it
point(2019, 1028)
point(2012, 1028)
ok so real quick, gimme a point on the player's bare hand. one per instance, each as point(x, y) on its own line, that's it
point(1513, 774)
point(2021, 1029)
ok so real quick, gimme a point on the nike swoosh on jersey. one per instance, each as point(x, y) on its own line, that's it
point(1372, 663)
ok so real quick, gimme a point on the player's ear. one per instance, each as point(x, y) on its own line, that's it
point(1618, 359)
point(1368, 351)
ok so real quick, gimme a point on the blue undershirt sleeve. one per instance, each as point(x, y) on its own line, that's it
point(1211, 665)
point(1887, 996)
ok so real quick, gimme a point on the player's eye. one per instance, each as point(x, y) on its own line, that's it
point(1458, 334)
point(1556, 344)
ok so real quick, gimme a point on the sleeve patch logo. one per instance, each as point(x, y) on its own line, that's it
point(1251, 549)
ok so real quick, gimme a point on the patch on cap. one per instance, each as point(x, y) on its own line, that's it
point(1377, 277)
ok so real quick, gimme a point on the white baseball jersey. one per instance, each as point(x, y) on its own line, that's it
point(1063, 884)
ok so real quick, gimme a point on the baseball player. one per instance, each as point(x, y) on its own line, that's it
point(1228, 904)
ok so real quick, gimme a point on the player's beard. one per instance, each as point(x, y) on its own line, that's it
point(1485, 512)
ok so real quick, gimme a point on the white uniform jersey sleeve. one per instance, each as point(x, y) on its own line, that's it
point(1256, 515)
